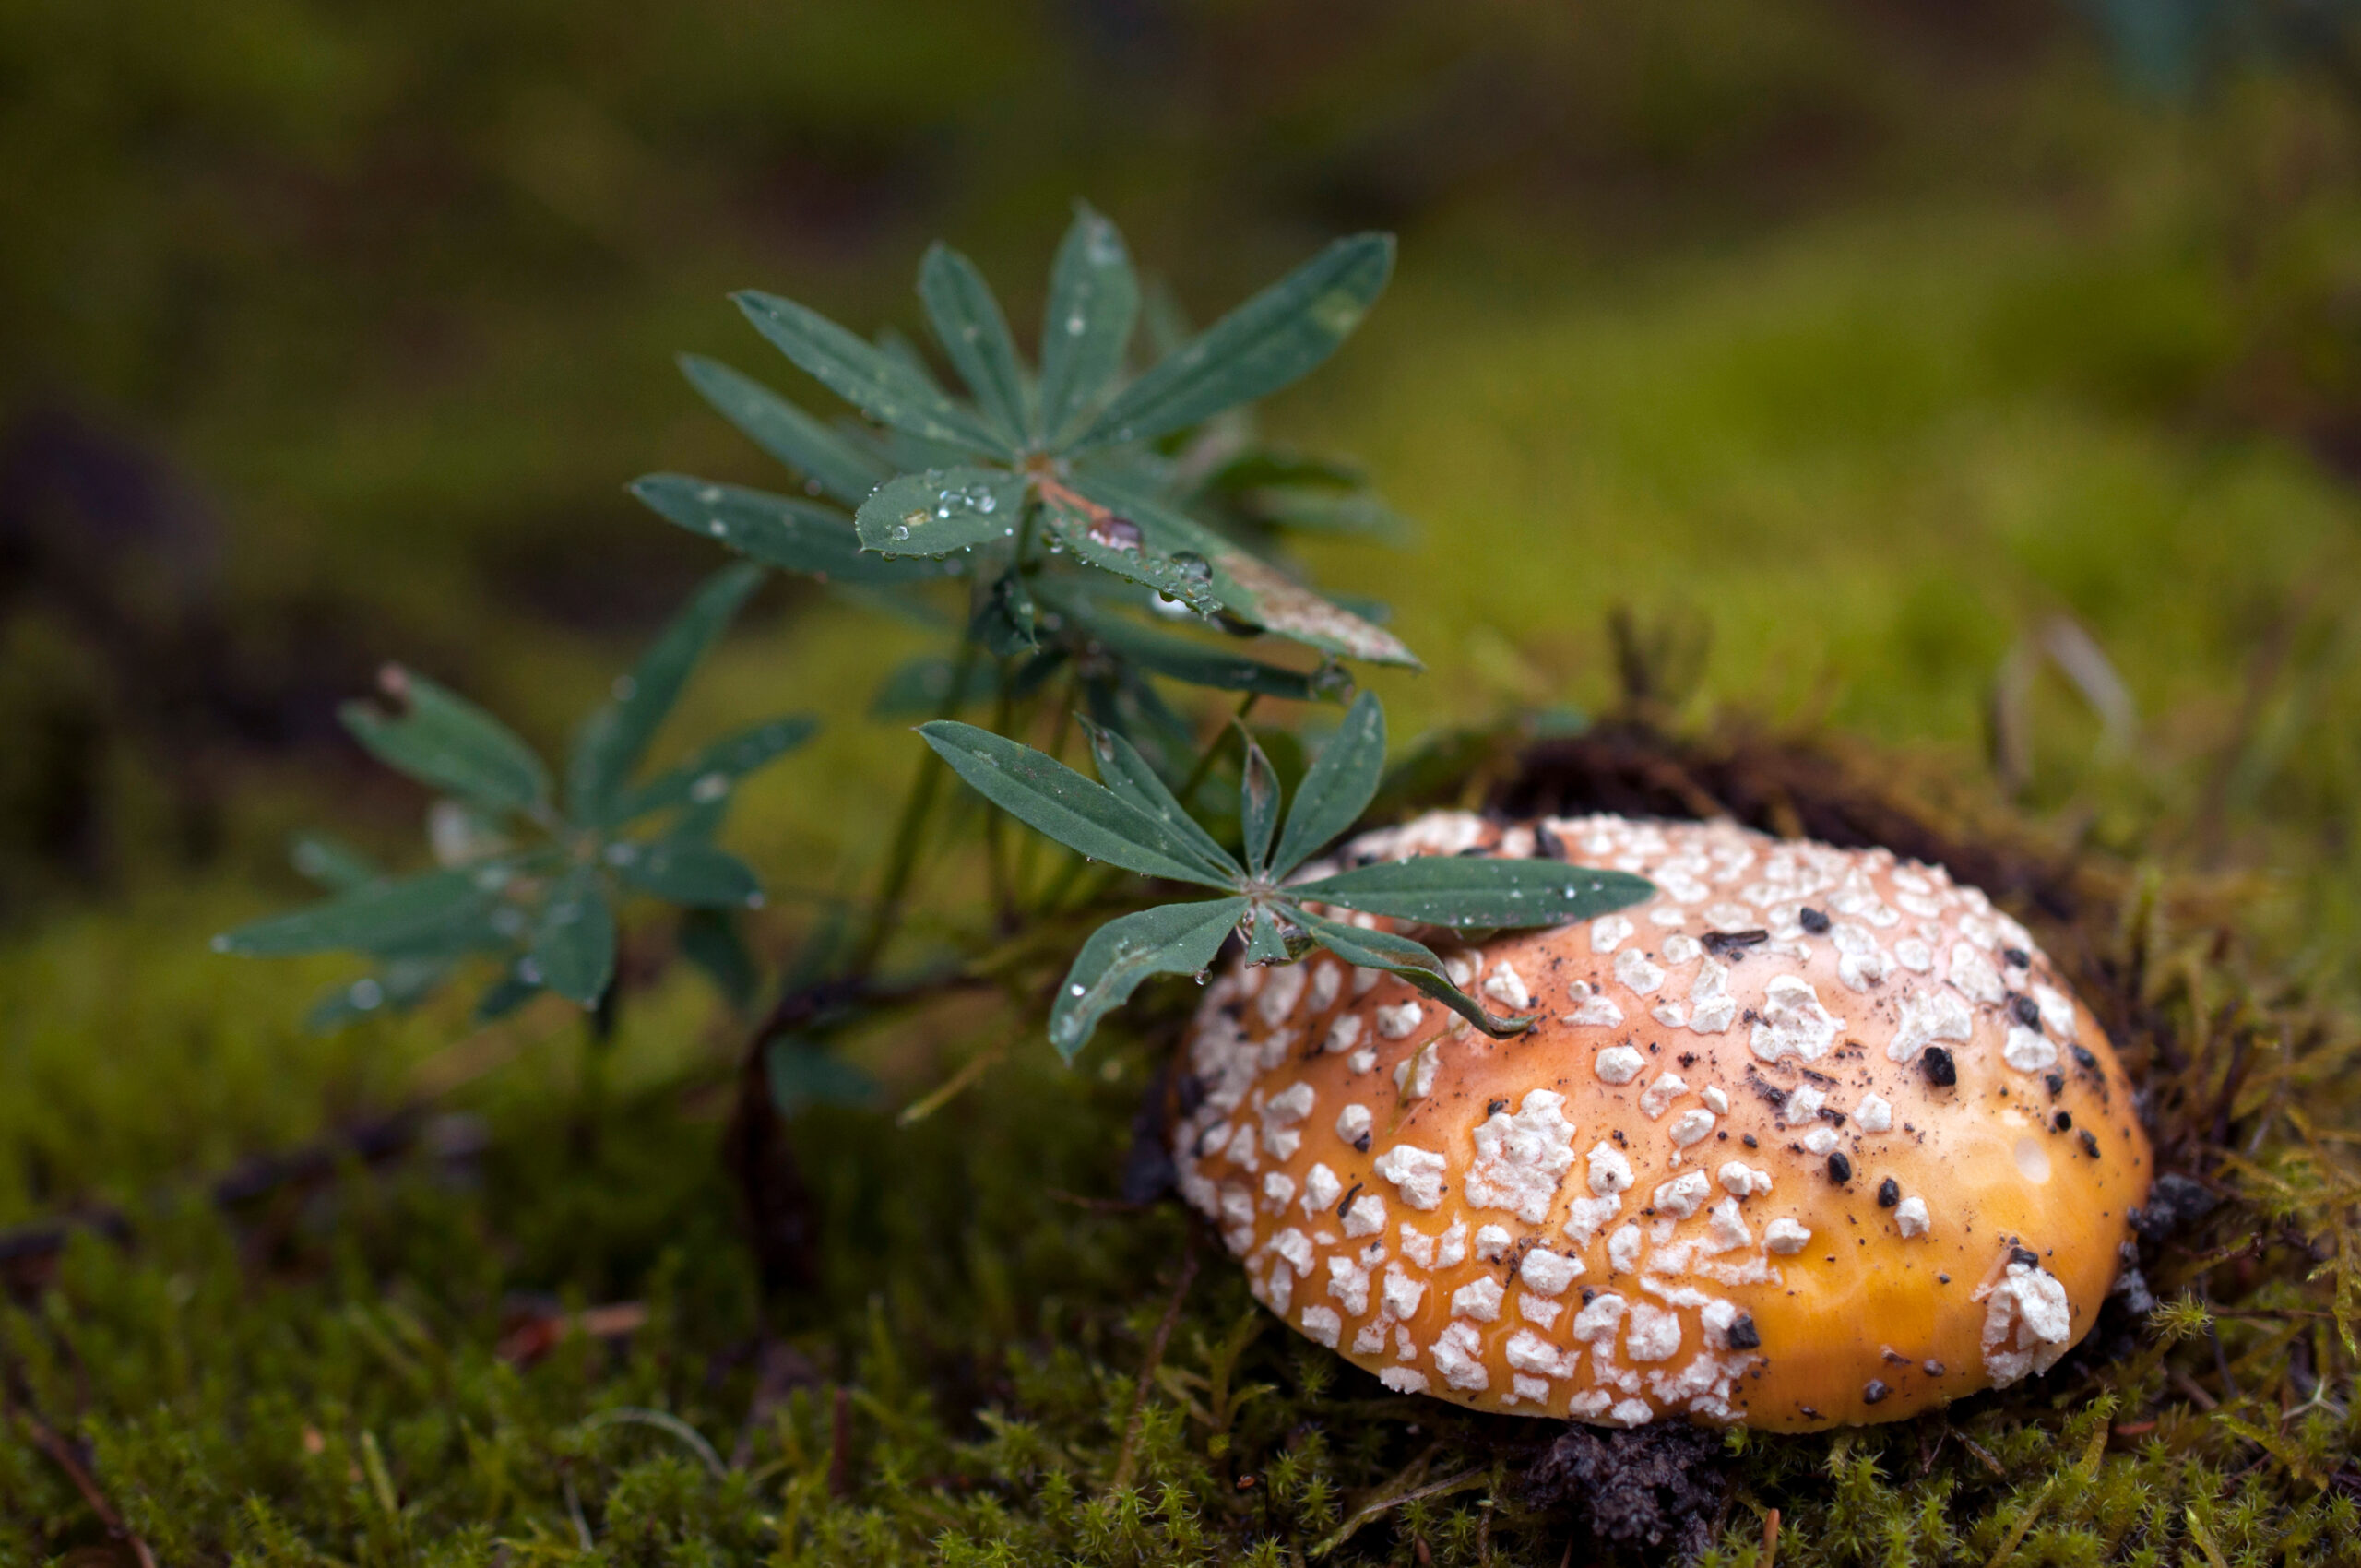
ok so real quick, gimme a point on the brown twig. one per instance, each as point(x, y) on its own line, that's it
point(1128, 1454)
point(48, 1440)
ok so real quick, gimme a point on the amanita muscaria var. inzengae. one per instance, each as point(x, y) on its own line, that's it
point(1812, 1136)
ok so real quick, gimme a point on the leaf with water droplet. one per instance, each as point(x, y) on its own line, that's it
point(938, 511)
point(779, 530)
point(834, 466)
point(692, 875)
point(1171, 939)
point(1094, 300)
point(1412, 960)
point(882, 384)
point(693, 782)
point(1469, 890)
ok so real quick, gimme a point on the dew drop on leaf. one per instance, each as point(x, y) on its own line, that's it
point(367, 993)
point(709, 788)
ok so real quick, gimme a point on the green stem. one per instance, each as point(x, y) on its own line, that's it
point(902, 859)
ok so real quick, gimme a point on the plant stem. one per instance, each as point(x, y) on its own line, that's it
point(997, 873)
point(901, 860)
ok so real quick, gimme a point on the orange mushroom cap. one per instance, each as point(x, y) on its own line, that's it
point(1813, 1136)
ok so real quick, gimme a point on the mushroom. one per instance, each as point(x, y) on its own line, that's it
point(1813, 1136)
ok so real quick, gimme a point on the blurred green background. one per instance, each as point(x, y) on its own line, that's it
point(1983, 380)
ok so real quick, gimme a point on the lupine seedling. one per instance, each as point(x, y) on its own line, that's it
point(1130, 820)
point(529, 874)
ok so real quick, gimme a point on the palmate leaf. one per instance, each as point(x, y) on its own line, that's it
point(941, 510)
point(1413, 961)
point(778, 531)
point(881, 386)
point(1243, 583)
point(442, 740)
point(376, 916)
point(710, 774)
point(1094, 300)
point(1338, 786)
point(617, 733)
point(968, 324)
point(1172, 939)
point(574, 940)
point(1054, 800)
point(841, 467)
point(1459, 890)
point(1256, 349)
point(1125, 772)
point(686, 872)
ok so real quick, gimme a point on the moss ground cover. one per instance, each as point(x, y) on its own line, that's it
point(1873, 453)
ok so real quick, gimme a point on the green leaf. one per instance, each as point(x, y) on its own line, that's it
point(1169, 940)
point(805, 1071)
point(1006, 622)
point(883, 387)
point(711, 940)
point(1338, 786)
point(708, 778)
point(1258, 806)
point(573, 941)
point(331, 863)
point(942, 510)
point(838, 467)
point(372, 918)
point(1413, 962)
point(1094, 298)
point(1266, 943)
point(686, 872)
point(396, 988)
point(1244, 584)
point(1256, 349)
point(795, 536)
point(617, 736)
point(969, 323)
point(443, 740)
point(1052, 799)
point(1178, 659)
point(1467, 890)
point(1092, 538)
point(1124, 771)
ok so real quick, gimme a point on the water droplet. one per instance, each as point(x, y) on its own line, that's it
point(1076, 324)
point(709, 493)
point(1116, 533)
point(943, 512)
point(1193, 566)
point(1074, 991)
point(811, 487)
point(367, 993)
point(1202, 976)
point(987, 503)
point(622, 854)
point(901, 530)
point(716, 527)
point(709, 788)
point(529, 971)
